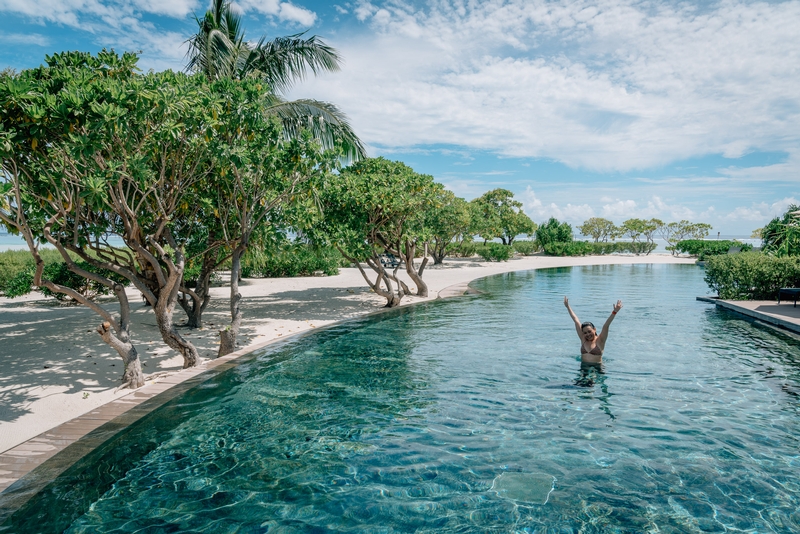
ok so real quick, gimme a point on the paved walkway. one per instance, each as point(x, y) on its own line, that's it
point(784, 315)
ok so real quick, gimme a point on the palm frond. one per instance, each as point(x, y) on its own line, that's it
point(324, 120)
point(285, 60)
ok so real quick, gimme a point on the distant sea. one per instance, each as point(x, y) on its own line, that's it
point(12, 242)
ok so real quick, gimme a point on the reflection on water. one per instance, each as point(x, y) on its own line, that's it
point(473, 415)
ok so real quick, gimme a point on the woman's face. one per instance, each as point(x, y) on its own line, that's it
point(589, 333)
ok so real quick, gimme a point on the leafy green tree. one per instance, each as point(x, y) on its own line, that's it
point(497, 214)
point(220, 50)
point(598, 229)
point(554, 232)
point(373, 207)
point(447, 219)
point(781, 236)
point(638, 228)
point(258, 175)
point(92, 150)
point(674, 232)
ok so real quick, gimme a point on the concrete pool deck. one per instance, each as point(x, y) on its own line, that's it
point(276, 307)
point(784, 315)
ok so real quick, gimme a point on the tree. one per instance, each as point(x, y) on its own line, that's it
point(498, 215)
point(377, 206)
point(220, 50)
point(636, 228)
point(258, 174)
point(94, 150)
point(554, 232)
point(599, 229)
point(674, 232)
point(781, 236)
point(447, 219)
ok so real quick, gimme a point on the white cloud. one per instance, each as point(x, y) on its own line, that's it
point(608, 85)
point(538, 211)
point(25, 39)
point(284, 11)
point(761, 212)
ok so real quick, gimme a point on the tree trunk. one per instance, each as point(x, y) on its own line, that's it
point(228, 336)
point(416, 276)
point(163, 311)
point(132, 375)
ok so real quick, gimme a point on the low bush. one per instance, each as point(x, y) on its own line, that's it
point(494, 251)
point(751, 275)
point(13, 263)
point(704, 248)
point(21, 283)
point(462, 249)
point(295, 259)
point(526, 248)
point(582, 248)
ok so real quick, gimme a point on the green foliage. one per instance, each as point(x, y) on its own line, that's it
point(599, 229)
point(494, 251)
point(220, 50)
point(19, 284)
point(373, 205)
point(781, 236)
point(526, 248)
point(496, 214)
point(703, 249)
point(583, 248)
point(751, 275)
point(295, 259)
point(636, 229)
point(554, 232)
point(15, 262)
point(60, 274)
point(447, 218)
point(464, 249)
point(674, 232)
point(17, 269)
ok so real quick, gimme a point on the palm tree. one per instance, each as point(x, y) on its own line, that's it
point(219, 50)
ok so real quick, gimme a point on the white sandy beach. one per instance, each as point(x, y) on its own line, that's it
point(54, 367)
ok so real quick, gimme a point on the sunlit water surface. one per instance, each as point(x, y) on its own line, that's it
point(474, 415)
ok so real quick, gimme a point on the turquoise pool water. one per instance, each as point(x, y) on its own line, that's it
point(473, 415)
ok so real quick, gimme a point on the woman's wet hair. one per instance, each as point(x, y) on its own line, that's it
point(587, 323)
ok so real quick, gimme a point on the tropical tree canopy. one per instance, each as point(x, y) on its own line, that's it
point(497, 214)
point(554, 232)
point(449, 218)
point(781, 236)
point(377, 206)
point(598, 229)
point(220, 50)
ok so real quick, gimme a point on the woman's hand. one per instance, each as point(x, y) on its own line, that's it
point(566, 302)
point(617, 306)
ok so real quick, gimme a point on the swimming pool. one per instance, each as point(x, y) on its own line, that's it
point(472, 415)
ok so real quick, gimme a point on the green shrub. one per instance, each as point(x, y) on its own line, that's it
point(463, 249)
point(704, 248)
point(55, 270)
point(636, 247)
point(15, 262)
point(494, 251)
point(582, 248)
point(295, 259)
point(554, 232)
point(526, 248)
point(751, 275)
point(575, 248)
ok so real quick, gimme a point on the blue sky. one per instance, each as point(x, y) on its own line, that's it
point(611, 108)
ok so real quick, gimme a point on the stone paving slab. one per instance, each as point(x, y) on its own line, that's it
point(784, 315)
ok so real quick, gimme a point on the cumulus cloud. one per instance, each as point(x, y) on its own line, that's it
point(538, 211)
point(284, 11)
point(608, 85)
point(761, 212)
point(25, 39)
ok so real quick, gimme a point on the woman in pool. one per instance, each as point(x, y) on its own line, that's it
point(592, 345)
